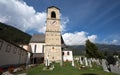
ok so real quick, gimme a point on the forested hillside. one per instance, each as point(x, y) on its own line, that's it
point(13, 34)
point(80, 49)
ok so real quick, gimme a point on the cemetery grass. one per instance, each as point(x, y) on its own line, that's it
point(66, 69)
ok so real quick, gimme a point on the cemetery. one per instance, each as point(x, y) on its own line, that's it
point(81, 67)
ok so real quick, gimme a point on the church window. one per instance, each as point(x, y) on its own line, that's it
point(8, 48)
point(19, 52)
point(53, 15)
point(35, 48)
point(1, 44)
point(68, 53)
point(22, 53)
point(15, 50)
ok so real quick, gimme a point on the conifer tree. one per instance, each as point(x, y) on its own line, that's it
point(92, 50)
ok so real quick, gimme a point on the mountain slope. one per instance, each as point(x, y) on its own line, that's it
point(80, 49)
point(13, 34)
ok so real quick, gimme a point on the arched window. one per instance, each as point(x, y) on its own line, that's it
point(53, 15)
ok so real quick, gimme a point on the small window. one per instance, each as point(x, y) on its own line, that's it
point(19, 52)
point(53, 15)
point(62, 53)
point(8, 48)
point(15, 50)
point(52, 47)
point(22, 53)
point(52, 57)
point(1, 42)
point(68, 53)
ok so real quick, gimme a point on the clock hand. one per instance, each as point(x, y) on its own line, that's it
point(53, 22)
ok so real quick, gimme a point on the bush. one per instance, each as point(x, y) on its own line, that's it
point(111, 60)
point(1, 71)
point(23, 67)
point(11, 69)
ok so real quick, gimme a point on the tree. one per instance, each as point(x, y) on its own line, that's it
point(111, 60)
point(92, 50)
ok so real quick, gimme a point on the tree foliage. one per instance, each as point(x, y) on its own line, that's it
point(92, 50)
point(111, 60)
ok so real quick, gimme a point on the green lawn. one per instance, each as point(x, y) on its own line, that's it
point(67, 69)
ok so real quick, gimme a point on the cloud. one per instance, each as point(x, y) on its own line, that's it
point(64, 21)
point(18, 14)
point(78, 38)
point(114, 41)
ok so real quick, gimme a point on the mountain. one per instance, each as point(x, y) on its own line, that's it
point(13, 34)
point(80, 49)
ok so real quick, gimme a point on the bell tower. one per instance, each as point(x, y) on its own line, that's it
point(52, 49)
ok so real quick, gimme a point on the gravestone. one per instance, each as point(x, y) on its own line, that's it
point(89, 62)
point(86, 62)
point(80, 60)
point(73, 63)
point(47, 63)
point(98, 62)
point(105, 68)
point(115, 69)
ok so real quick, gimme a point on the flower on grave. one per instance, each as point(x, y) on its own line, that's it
point(11, 69)
point(1, 71)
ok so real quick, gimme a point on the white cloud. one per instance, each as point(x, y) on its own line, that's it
point(92, 38)
point(114, 41)
point(18, 14)
point(78, 38)
point(64, 21)
point(22, 16)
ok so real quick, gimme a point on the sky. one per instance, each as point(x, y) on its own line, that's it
point(96, 20)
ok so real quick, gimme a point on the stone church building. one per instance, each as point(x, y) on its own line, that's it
point(49, 46)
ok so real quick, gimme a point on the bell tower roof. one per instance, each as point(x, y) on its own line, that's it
point(53, 7)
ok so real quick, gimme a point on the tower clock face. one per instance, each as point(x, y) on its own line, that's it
point(53, 22)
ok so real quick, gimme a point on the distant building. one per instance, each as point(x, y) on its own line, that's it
point(11, 54)
point(67, 55)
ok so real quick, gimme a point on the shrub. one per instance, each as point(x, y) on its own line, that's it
point(1, 71)
point(11, 69)
point(23, 67)
point(111, 60)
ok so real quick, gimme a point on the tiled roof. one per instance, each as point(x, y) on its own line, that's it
point(38, 38)
point(54, 7)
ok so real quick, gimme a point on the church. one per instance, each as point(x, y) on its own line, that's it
point(41, 48)
point(50, 46)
